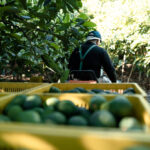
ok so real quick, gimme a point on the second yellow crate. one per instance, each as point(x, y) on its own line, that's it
point(13, 87)
point(113, 87)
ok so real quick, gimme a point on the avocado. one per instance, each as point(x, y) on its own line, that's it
point(40, 110)
point(77, 121)
point(129, 91)
point(82, 111)
point(28, 116)
point(67, 107)
point(138, 147)
point(95, 102)
point(18, 100)
point(13, 111)
point(56, 117)
point(4, 118)
point(102, 118)
point(52, 101)
point(82, 90)
point(47, 110)
point(120, 106)
point(32, 101)
point(98, 91)
point(71, 91)
point(129, 123)
point(105, 105)
point(54, 89)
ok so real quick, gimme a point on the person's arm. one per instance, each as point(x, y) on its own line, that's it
point(108, 67)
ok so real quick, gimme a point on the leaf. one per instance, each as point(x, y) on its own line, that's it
point(46, 2)
point(16, 36)
point(79, 3)
point(80, 21)
point(23, 3)
point(49, 37)
point(11, 53)
point(21, 53)
point(54, 45)
point(73, 4)
point(66, 18)
point(75, 32)
point(9, 9)
point(60, 4)
point(83, 16)
point(2, 24)
point(64, 76)
point(40, 2)
point(89, 24)
point(69, 6)
point(50, 63)
point(148, 73)
point(63, 27)
point(26, 17)
point(29, 25)
point(38, 51)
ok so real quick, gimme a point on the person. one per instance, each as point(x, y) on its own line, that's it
point(89, 56)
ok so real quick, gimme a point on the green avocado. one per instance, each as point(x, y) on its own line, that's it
point(56, 117)
point(120, 106)
point(67, 107)
point(82, 111)
point(54, 89)
point(77, 121)
point(98, 91)
point(28, 116)
point(18, 100)
point(52, 101)
point(129, 91)
point(129, 123)
point(13, 111)
point(95, 102)
point(71, 91)
point(32, 101)
point(82, 90)
point(102, 118)
point(4, 118)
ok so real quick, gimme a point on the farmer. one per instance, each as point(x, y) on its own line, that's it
point(89, 56)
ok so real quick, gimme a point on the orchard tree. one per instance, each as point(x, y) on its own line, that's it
point(37, 36)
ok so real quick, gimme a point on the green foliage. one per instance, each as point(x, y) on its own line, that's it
point(125, 28)
point(40, 34)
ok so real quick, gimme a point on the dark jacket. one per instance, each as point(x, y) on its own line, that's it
point(95, 59)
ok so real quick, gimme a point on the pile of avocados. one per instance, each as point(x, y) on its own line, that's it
point(54, 89)
point(115, 113)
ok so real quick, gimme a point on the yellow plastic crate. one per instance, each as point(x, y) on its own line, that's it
point(42, 137)
point(114, 87)
point(23, 135)
point(3, 94)
point(140, 105)
point(12, 87)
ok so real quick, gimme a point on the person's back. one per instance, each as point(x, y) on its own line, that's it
point(92, 57)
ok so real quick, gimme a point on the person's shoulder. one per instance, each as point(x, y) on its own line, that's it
point(100, 49)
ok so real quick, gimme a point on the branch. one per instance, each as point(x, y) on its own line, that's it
point(130, 73)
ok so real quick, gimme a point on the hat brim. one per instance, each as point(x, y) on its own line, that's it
point(92, 38)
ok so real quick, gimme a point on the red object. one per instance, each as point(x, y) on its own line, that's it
point(78, 81)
